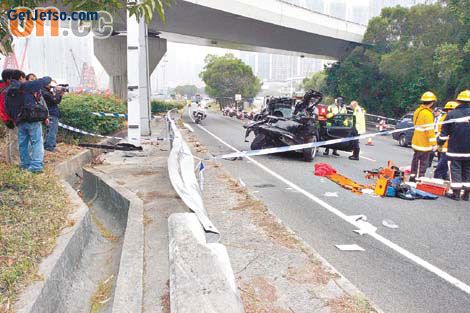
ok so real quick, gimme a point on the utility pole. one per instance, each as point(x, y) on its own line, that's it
point(137, 79)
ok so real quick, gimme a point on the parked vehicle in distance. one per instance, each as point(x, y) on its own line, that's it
point(404, 137)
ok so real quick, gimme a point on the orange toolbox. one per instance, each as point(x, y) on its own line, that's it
point(435, 190)
point(381, 186)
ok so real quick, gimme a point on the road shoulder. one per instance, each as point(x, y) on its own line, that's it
point(276, 271)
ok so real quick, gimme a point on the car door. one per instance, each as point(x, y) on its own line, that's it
point(406, 122)
point(341, 126)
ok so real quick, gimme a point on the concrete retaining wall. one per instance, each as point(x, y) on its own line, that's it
point(128, 209)
point(201, 277)
point(48, 295)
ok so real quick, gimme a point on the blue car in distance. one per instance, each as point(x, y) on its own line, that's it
point(404, 137)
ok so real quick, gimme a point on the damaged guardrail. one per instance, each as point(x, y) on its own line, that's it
point(183, 179)
point(201, 276)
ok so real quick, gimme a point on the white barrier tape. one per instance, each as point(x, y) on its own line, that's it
point(104, 114)
point(327, 142)
point(83, 132)
point(183, 178)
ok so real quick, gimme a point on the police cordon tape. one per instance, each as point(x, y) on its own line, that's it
point(329, 142)
point(104, 114)
point(83, 132)
point(118, 115)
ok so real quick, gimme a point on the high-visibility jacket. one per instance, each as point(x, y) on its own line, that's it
point(360, 115)
point(439, 130)
point(424, 137)
point(334, 110)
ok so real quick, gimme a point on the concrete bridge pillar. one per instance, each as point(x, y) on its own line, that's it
point(112, 54)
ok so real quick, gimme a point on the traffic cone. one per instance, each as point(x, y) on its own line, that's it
point(369, 142)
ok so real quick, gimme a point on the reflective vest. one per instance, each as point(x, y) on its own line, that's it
point(424, 137)
point(334, 110)
point(359, 113)
point(439, 129)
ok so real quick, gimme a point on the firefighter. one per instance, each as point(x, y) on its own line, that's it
point(338, 107)
point(442, 169)
point(458, 135)
point(424, 137)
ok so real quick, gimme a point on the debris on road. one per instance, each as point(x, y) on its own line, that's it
point(331, 194)
point(389, 224)
point(352, 247)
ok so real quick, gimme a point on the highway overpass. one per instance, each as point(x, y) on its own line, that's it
point(273, 26)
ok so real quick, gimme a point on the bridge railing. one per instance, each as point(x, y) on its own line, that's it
point(293, 3)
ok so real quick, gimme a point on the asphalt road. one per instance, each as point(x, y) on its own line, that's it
point(436, 231)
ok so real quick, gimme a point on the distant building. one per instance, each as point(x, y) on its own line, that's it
point(264, 66)
point(337, 9)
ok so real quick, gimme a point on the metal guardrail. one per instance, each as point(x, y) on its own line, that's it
point(183, 178)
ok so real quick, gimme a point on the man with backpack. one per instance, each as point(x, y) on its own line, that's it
point(11, 151)
point(25, 105)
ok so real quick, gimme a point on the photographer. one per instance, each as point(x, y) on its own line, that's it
point(23, 104)
point(52, 94)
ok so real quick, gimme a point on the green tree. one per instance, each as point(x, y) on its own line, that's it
point(316, 82)
point(407, 51)
point(226, 76)
point(186, 90)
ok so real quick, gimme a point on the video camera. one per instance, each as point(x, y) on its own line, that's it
point(63, 87)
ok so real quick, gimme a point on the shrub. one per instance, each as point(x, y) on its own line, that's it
point(76, 109)
point(160, 106)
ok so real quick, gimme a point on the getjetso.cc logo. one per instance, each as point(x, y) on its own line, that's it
point(24, 22)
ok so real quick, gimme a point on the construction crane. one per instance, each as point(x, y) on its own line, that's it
point(76, 65)
point(12, 62)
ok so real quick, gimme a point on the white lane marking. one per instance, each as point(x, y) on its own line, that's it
point(366, 158)
point(416, 259)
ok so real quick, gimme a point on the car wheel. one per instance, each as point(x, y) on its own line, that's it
point(402, 140)
point(259, 142)
point(310, 153)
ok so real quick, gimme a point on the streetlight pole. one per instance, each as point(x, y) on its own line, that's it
point(138, 79)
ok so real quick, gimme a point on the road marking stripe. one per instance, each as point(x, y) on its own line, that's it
point(416, 259)
point(366, 158)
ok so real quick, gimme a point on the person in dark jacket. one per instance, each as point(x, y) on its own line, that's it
point(23, 94)
point(458, 152)
point(53, 97)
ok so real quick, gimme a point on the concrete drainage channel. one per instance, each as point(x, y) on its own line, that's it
point(103, 252)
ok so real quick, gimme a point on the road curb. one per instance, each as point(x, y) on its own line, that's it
point(69, 169)
point(201, 277)
point(48, 295)
point(128, 293)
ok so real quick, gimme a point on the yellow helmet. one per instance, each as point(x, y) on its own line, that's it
point(451, 105)
point(428, 96)
point(464, 96)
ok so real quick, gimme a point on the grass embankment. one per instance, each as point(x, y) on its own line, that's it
point(33, 211)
